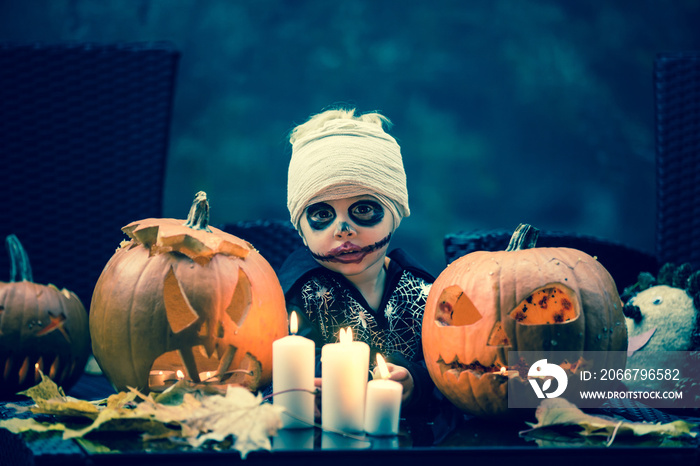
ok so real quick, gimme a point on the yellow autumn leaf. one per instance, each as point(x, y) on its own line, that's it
point(50, 399)
point(119, 419)
point(17, 426)
point(169, 413)
point(46, 389)
point(94, 447)
point(67, 407)
point(121, 399)
point(190, 412)
point(558, 412)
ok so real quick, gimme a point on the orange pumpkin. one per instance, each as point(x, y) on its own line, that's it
point(548, 301)
point(41, 327)
point(181, 295)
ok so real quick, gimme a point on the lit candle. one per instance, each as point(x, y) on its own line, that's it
point(345, 366)
point(160, 380)
point(207, 376)
point(508, 373)
point(383, 403)
point(293, 361)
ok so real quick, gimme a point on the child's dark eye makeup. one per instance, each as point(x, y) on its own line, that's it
point(366, 212)
point(320, 215)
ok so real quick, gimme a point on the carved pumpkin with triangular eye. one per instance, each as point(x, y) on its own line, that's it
point(42, 329)
point(185, 296)
point(547, 301)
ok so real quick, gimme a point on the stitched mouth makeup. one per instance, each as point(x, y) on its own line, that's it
point(349, 253)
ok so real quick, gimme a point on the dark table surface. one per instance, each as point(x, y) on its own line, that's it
point(447, 434)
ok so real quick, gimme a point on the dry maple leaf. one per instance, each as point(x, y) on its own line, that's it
point(49, 398)
point(558, 412)
point(192, 416)
point(46, 389)
point(238, 414)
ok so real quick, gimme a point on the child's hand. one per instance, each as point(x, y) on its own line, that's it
point(401, 375)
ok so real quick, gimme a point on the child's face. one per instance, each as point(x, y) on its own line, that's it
point(347, 235)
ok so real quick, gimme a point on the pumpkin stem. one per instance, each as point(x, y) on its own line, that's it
point(524, 237)
point(198, 218)
point(19, 261)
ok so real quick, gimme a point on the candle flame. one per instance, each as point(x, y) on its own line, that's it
point(293, 323)
point(180, 374)
point(345, 335)
point(381, 365)
point(503, 370)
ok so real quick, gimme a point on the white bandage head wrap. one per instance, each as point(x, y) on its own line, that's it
point(346, 157)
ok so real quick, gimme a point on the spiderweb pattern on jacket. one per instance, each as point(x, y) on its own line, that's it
point(331, 306)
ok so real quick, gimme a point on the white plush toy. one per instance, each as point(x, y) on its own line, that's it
point(662, 312)
point(663, 329)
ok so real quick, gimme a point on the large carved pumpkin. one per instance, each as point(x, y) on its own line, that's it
point(181, 295)
point(548, 301)
point(41, 327)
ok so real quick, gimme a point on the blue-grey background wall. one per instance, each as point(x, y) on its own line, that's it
point(507, 111)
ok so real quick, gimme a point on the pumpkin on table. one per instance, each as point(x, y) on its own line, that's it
point(41, 327)
point(181, 295)
point(485, 304)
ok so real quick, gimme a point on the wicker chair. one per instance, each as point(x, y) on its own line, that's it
point(84, 132)
point(677, 98)
point(677, 101)
point(623, 262)
point(274, 239)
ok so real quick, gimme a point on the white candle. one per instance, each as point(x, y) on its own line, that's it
point(293, 361)
point(383, 406)
point(345, 367)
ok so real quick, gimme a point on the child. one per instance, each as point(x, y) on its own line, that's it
point(346, 196)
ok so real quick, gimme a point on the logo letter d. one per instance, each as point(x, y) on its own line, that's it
point(542, 369)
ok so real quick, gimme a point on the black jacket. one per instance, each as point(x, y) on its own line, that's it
point(300, 269)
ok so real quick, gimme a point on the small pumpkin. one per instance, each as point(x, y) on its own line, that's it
point(181, 295)
point(41, 327)
point(549, 301)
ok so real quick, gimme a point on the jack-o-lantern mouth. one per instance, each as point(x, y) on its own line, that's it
point(479, 369)
point(519, 369)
